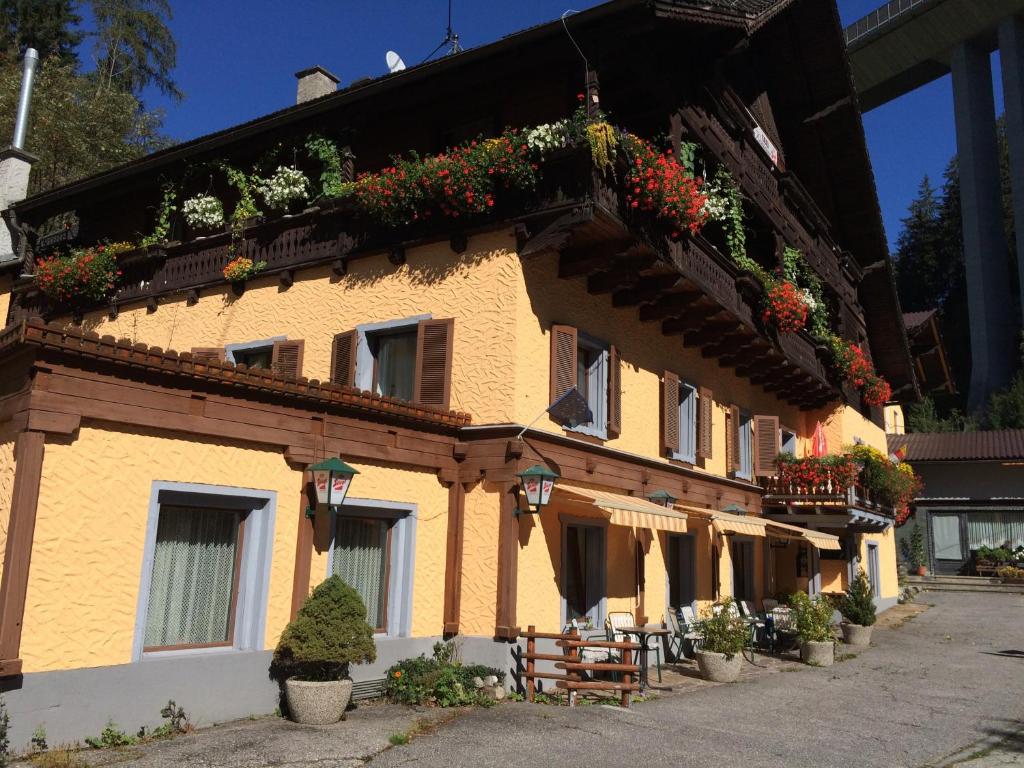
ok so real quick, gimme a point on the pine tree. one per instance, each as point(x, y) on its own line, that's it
point(49, 26)
point(134, 46)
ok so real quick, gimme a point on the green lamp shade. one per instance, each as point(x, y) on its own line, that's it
point(332, 479)
point(537, 483)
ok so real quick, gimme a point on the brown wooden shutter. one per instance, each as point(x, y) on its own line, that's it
point(732, 440)
point(669, 413)
point(343, 358)
point(433, 384)
point(766, 445)
point(614, 393)
point(287, 358)
point(705, 423)
point(563, 360)
point(206, 354)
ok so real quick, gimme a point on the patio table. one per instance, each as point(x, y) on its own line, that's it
point(642, 634)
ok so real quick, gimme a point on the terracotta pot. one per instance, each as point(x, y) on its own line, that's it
point(312, 703)
point(921, 570)
point(818, 654)
point(856, 634)
point(717, 667)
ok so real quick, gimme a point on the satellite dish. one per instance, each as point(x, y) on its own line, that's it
point(395, 63)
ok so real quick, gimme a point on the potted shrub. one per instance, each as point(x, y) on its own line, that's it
point(858, 609)
point(722, 637)
point(813, 622)
point(914, 551)
point(314, 653)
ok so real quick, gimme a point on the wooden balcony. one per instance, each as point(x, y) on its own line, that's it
point(828, 505)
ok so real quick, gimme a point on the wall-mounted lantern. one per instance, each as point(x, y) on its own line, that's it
point(662, 498)
point(537, 482)
point(332, 479)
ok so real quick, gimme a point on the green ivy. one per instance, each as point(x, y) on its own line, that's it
point(162, 227)
point(332, 179)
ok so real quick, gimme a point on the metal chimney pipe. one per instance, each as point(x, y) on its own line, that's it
point(25, 99)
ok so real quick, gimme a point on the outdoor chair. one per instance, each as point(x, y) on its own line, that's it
point(681, 633)
point(768, 605)
point(756, 623)
point(593, 655)
point(618, 619)
point(688, 620)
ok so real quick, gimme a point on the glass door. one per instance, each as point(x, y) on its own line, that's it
point(947, 543)
point(583, 574)
point(682, 575)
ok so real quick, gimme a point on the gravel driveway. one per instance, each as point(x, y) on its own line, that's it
point(950, 678)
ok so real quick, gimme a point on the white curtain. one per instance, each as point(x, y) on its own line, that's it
point(396, 364)
point(946, 534)
point(360, 559)
point(193, 577)
point(995, 529)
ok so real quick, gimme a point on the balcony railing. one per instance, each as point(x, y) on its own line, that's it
point(827, 494)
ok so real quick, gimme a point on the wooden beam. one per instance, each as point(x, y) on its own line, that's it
point(709, 333)
point(675, 304)
point(508, 563)
point(624, 274)
point(578, 262)
point(646, 290)
point(28, 458)
point(303, 546)
point(453, 558)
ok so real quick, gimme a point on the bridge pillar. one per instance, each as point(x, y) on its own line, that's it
point(1011, 55)
point(989, 296)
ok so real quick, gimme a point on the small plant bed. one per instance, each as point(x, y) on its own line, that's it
point(812, 618)
point(443, 680)
point(858, 609)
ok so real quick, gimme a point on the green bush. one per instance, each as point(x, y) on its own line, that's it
point(723, 632)
point(812, 618)
point(5, 743)
point(328, 634)
point(111, 738)
point(858, 604)
point(440, 680)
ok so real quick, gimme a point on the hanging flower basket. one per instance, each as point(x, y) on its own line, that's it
point(284, 189)
point(785, 307)
point(81, 276)
point(242, 268)
point(203, 213)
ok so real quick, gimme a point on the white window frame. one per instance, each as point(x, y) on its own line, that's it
point(402, 556)
point(364, 354)
point(597, 394)
point(686, 450)
point(787, 445)
point(746, 446)
point(254, 575)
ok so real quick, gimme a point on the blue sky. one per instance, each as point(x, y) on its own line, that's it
point(236, 60)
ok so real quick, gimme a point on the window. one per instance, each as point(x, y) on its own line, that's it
point(205, 571)
point(592, 382)
point(394, 363)
point(742, 569)
point(687, 450)
point(682, 570)
point(194, 584)
point(255, 357)
point(372, 550)
point(362, 551)
point(787, 439)
point(583, 573)
point(746, 447)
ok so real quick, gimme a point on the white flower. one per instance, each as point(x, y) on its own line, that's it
point(548, 137)
point(203, 212)
point(284, 187)
point(809, 300)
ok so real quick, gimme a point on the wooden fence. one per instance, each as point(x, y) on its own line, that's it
point(571, 661)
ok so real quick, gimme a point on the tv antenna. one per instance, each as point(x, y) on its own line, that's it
point(395, 63)
point(451, 39)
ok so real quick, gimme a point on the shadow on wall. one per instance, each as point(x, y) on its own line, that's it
point(428, 267)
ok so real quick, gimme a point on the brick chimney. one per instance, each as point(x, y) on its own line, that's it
point(314, 83)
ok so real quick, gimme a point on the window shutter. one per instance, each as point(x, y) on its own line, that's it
point(433, 383)
point(614, 393)
point(669, 413)
point(208, 354)
point(287, 358)
point(732, 440)
point(766, 433)
point(705, 422)
point(343, 358)
point(563, 360)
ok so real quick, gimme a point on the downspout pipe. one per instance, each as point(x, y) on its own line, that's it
point(25, 99)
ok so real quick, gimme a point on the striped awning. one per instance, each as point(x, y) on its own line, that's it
point(814, 538)
point(629, 511)
point(726, 522)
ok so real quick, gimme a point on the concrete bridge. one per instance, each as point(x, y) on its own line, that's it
point(905, 44)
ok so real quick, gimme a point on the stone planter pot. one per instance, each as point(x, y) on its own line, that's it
point(312, 703)
point(717, 667)
point(856, 634)
point(818, 654)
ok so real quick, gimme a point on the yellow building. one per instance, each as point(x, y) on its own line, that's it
point(156, 537)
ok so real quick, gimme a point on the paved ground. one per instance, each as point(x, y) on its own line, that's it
point(949, 678)
point(944, 688)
